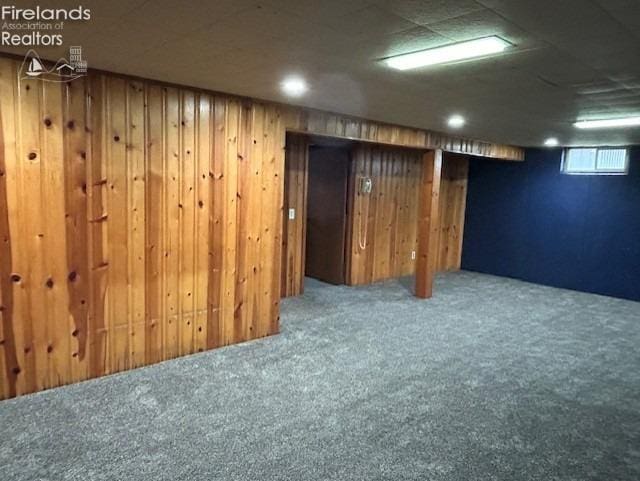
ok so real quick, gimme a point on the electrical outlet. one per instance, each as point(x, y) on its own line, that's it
point(413, 255)
point(292, 214)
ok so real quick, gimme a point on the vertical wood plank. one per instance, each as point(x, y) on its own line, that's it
point(30, 272)
point(11, 326)
point(203, 138)
point(243, 244)
point(231, 271)
point(136, 211)
point(217, 225)
point(118, 221)
point(255, 219)
point(76, 202)
point(173, 225)
point(60, 343)
point(279, 139)
point(98, 252)
point(268, 222)
point(187, 222)
point(155, 313)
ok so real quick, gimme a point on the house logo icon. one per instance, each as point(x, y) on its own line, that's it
point(62, 71)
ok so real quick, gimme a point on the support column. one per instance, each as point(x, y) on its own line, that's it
point(428, 223)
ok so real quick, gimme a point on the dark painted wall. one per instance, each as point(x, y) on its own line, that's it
point(528, 221)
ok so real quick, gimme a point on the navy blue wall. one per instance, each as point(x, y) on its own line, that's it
point(528, 221)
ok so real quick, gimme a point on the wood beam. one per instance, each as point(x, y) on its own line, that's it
point(428, 223)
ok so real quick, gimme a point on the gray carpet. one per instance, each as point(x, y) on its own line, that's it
point(492, 379)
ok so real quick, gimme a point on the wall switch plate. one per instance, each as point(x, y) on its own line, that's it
point(413, 255)
point(292, 214)
point(366, 185)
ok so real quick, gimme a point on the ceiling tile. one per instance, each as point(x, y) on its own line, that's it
point(626, 12)
point(319, 11)
point(411, 40)
point(553, 66)
point(370, 22)
point(426, 12)
point(483, 23)
point(180, 17)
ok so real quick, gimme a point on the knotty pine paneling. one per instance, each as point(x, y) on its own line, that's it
point(453, 199)
point(138, 222)
point(382, 225)
point(294, 230)
point(391, 211)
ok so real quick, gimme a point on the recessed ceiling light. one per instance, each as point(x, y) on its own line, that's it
point(448, 53)
point(551, 142)
point(294, 86)
point(608, 123)
point(456, 121)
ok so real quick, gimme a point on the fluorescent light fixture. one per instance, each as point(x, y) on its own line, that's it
point(456, 121)
point(448, 53)
point(551, 142)
point(608, 123)
point(294, 86)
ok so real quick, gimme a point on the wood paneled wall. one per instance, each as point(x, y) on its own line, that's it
point(140, 221)
point(383, 224)
point(397, 216)
point(453, 200)
point(294, 230)
point(137, 223)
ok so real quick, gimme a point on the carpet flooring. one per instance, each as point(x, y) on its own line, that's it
point(492, 379)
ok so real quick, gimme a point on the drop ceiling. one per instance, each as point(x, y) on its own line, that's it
point(573, 58)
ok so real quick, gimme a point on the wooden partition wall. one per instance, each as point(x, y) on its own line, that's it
point(393, 208)
point(138, 223)
point(383, 224)
point(451, 213)
point(141, 221)
point(294, 229)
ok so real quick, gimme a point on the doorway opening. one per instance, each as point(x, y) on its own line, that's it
point(351, 212)
point(327, 211)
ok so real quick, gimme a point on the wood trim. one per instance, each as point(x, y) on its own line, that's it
point(428, 224)
point(328, 124)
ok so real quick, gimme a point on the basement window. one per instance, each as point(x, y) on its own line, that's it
point(591, 160)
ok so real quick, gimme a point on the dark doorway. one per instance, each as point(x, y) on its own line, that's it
point(327, 213)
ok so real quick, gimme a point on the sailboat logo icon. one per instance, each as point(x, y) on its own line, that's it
point(35, 68)
point(62, 71)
